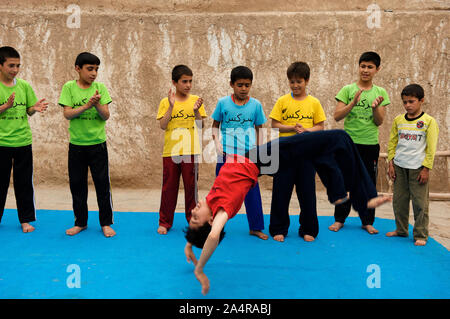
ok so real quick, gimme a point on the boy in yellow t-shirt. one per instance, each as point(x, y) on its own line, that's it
point(296, 113)
point(179, 115)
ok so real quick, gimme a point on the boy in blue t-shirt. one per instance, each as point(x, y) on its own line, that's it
point(240, 118)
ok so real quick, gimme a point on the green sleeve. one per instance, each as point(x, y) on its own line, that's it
point(31, 97)
point(385, 96)
point(65, 99)
point(343, 95)
point(103, 91)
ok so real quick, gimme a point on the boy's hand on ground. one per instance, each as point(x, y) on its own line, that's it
point(41, 106)
point(204, 281)
point(190, 256)
point(377, 102)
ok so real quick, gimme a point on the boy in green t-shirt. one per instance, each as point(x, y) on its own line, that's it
point(85, 104)
point(17, 102)
point(362, 105)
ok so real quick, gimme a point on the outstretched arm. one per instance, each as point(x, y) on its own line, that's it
point(209, 247)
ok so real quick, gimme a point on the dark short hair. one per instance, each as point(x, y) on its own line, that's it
point(197, 236)
point(86, 58)
point(179, 70)
point(8, 52)
point(413, 90)
point(370, 56)
point(240, 73)
point(298, 70)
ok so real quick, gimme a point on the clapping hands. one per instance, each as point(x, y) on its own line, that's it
point(95, 99)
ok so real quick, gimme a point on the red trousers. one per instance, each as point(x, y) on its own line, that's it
point(173, 167)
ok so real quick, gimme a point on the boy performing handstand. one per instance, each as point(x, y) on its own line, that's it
point(333, 155)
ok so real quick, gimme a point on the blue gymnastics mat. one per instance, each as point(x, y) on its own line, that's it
point(140, 264)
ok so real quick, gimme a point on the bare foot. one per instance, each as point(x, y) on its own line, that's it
point(108, 231)
point(420, 242)
point(27, 228)
point(162, 230)
point(378, 201)
point(279, 238)
point(75, 230)
point(392, 234)
point(370, 229)
point(259, 234)
point(336, 226)
point(342, 200)
point(308, 238)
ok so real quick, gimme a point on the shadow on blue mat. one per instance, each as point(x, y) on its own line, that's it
point(139, 263)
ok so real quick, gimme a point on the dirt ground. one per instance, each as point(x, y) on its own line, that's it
point(147, 200)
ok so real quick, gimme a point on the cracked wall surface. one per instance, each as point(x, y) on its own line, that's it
point(140, 41)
